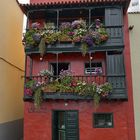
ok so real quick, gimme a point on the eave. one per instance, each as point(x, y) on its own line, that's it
point(70, 4)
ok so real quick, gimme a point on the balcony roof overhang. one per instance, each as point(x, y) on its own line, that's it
point(47, 4)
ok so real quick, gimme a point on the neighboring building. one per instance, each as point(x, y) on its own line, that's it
point(11, 71)
point(134, 6)
point(134, 33)
point(65, 113)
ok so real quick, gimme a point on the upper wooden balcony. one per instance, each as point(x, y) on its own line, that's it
point(111, 18)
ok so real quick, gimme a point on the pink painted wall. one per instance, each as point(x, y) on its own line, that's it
point(76, 61)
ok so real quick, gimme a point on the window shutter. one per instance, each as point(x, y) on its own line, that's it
point(116, 75)
point(72, 132)
point(115, 65)
point(55, 124)
point(113, 17)
point(114, 22)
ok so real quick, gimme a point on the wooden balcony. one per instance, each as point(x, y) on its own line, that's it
point(118, 84)
point(114, 42)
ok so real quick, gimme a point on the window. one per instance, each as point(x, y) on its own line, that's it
point(103, 120)
point(96, 68)
point(55, 69)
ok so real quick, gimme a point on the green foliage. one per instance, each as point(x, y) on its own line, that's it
point(67, 83)
point(106, 87)
point(64, 37)
point(42, 47)
point(45, 72)
point(38, 97)
point(51, 38)
point(29, 37)
point(96, 99)
point(30, 84)
point(76, 31)
point(84, 48)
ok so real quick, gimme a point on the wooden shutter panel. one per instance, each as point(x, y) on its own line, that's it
point(114, 22)
point(54, 125)
point(116, 75)
point(115, 65)
point(113, 16)
point(72, 132)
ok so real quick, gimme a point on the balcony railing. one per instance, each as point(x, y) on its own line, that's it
point(99, 79)
point(118, 85)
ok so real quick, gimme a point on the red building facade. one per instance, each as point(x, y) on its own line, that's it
point(65, 115)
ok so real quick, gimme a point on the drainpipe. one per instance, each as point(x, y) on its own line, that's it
point(90, 58)
point(57, 57)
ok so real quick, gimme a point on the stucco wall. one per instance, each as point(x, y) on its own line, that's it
point(38, 123)
point(134, 19)
point(11, 70)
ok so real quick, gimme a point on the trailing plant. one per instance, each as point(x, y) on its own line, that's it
point(33, 88)
point(38, 97)
point(84, 48)
point(42, 47)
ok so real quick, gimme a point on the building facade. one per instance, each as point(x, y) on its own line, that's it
point(134, 43)
point(11, 71)
point(78, 83)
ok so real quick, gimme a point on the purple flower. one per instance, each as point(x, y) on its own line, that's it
point(65, 73)
point(97, 23)
point(37, 37)
point(88, 40)
point(78, 24)
point(65, 26)
point(35, 25)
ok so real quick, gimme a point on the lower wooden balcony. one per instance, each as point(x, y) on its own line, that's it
point(118, 92)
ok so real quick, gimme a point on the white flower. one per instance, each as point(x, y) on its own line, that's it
point(84, 83)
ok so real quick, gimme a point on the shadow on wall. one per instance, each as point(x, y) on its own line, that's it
point(12, 130)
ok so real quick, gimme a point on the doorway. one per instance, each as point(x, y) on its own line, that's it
point(65, 125)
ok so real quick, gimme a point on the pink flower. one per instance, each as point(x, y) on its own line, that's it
point(28, 91)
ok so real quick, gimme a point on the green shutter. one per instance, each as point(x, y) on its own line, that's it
point(72, 132)
point(113, 17)
point(54, 125)
point(116, 75)
point(114, 22)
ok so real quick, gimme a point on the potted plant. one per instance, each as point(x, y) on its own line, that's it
point(33, 89)
point(33, 36)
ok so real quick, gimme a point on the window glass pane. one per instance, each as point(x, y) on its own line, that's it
point(103, 120)
point(96, 68)
point(61, 120)
point(61, 135)
point(71, 15)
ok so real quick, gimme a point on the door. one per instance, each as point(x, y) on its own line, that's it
point(65, 125)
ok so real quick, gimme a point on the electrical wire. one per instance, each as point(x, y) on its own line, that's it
point(11, 64)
